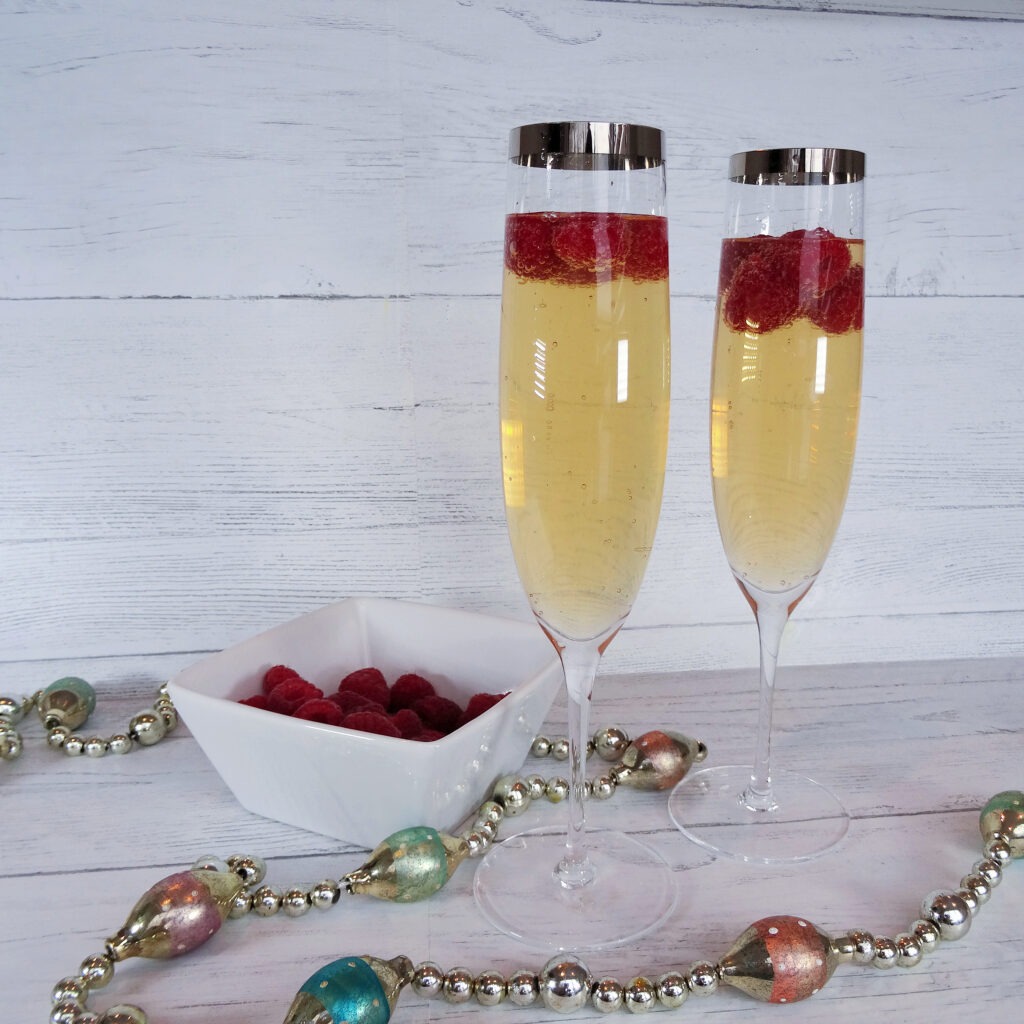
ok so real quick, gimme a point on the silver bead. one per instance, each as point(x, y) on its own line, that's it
point(295, 902)
point(147, 728)
point(490, 988)
point(476, 843)
point(522, 988)
point(427, 979)
point(457, 986)
point(702, 978)
point(672, 990)
point(513, 794)
point(607, 995)
point(11, 710)
point(640, 995)
point(492, 811)
point(999, 851)
point(65, 1012)
point(565, 983)
point(87, 1017)
point(97, 970)
point(96, 746)
point(908, 950)
point(240, 905)
point(325, 894)
point(10, 744)
point(950, 912)
point(976, 884)
point(72, 990)
point(968, 896)
point(989, 870)
point(604, 787)
point(73, 745)
point(927, 934)
point(57, 737)
point(610, 743)
point(560, 749)
point(266, 901)
point(124, 1014)
point(886, 952)
point(120, 743)
point(486, 828)
point(210, 863)
point(557, 790)
point(169, 713)
point(537, 786)
point(588, 789)
point(251, 869)
point(541, 747)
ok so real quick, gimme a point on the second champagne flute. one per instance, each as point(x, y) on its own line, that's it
point(584, 376)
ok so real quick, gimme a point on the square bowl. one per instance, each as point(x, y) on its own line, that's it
point(355, 786)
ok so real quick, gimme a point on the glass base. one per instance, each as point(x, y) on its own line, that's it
point(807, 820)
point(633, 891)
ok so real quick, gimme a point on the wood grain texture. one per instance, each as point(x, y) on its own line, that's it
point(914, 749)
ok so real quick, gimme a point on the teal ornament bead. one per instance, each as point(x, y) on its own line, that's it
point(1004, 815)
point(409, 865)
point(67, 702)
point(352, 990)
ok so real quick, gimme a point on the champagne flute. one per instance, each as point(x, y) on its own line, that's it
point(785, 399)
point(584, 401)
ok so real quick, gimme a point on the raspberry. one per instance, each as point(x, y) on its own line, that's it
point(428, 736)
point(370, 682)
point(528, 251)
point(478, 704)
point(349, 700)
point(320, 709)
point(438, 713)
point(841, 308)
point(408, 723)
point(371, 721)
point(286, 697)
point(257, 700)
point(275, 675)
point(734, 252)
point(824, 259)
point(765, 290)
point(408, 689)
point(647, 252)
point(591, 244)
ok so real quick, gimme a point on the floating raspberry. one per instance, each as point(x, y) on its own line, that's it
point(349, 700)
point(438, 713)
point(647, 251)
point(286, 697)
point(320, 709)
point(824, 259)
point(591, 245)
point(277, 674)
point(408, 723)
point(734, 252)
point(841, 308)
point(370, 682)
point(765, 290)
point(409, 688)
point(257, 700)
point(428, 736)
point(371, 721)
point(478, 704)
point(528, 250)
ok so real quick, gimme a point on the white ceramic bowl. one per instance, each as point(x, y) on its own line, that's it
point(352, 785)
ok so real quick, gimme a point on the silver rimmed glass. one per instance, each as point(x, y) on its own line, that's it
point(584, 401)
point(785, 400)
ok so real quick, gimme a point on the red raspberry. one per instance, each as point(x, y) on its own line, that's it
point(370, 682)
point(428, 736)
point(824, 259)
point(277, 674)
point(320, 709)
point(528, 251)
point(478, 704)
point(591, 244)
point(841, 308)
point(407, 722)
point(286, 697)
point(647, 252)
point(349, 700)
point(438, 713)
point(765, 291)
point(408, 689)
point(734, 252)
point(371, 721)
point(257, 700)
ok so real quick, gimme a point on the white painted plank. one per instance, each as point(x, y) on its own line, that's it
point(994, 10)
point(329, 149)
point(178, 475)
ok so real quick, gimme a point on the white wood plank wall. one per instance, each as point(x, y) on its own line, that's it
point(249, 273)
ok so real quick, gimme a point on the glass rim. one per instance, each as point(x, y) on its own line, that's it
point(586, 145)
point(797, 166)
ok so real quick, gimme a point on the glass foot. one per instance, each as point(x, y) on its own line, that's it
point(807, 820)
point(633, 891)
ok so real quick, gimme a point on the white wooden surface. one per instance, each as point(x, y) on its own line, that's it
point(914, 749)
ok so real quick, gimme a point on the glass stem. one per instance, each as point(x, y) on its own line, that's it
point(579, 663)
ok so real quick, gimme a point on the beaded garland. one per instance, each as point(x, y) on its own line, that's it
point(777, 959)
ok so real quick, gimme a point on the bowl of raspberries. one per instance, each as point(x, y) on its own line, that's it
point(371, 715)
